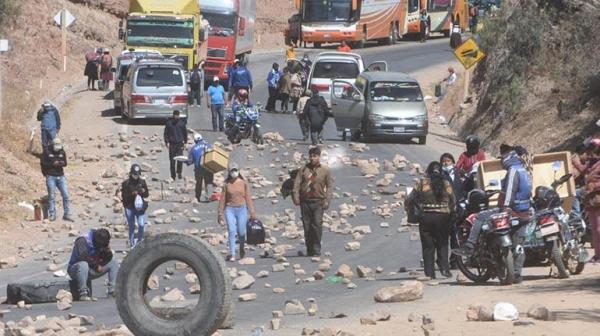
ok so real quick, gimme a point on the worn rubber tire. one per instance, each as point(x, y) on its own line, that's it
point(423, 140)
point(214, 301)
point(557, 259)
point(482, 278)
point(391, 39)
point(508, 262)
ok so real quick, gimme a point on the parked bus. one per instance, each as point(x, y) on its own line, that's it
point(356, 21)
point(441, 15)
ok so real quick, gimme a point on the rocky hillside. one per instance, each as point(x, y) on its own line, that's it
point(540, 83)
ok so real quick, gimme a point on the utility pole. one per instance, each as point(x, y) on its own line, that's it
point(63, 30)
point(3, 49)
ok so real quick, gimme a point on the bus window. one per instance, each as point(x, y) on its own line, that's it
point(413, 6)
point(439, 5)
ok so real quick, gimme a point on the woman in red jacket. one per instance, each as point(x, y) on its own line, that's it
point(471, 156)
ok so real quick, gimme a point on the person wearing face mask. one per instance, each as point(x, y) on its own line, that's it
point(175, 136)
point(202, 174)
point(53, 161)
point(313, 190)
point(234, 206)
point(134, 193)
point(435, 196)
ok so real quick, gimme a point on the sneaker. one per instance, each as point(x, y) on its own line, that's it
point(87, 298)
point(179, 176)
point(446, 274)
point(68, 218)
point(111, 295)
point(464, 251)
point(205, 199)
point(52, 218)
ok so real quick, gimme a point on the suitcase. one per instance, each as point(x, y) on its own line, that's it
point(36, 291)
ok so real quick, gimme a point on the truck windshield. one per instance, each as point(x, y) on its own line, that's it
point(395, 92)
point(166, 76)
point(221, 24)
point(160, 33)
point(327, 10)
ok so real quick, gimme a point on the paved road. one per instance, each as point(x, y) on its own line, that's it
point(384, 247)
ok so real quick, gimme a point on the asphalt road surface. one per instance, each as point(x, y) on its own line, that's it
point(385, 247)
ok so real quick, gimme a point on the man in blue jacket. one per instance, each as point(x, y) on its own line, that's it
point(201, 174)
point(50, 123)
point(90, 259)
point(272, 81)
point(241, 78)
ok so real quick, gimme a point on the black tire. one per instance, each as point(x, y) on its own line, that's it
point(572, 262)
point(482, 275)
point(257, 137)
point(506, 273)
point(344, 135)
point(423, 140)
point(361, 44)
point(446, 33)
point(557, 259)
point(355, 135)
point(214, 300)
point(391, 39)
point(317, 45)
point(125, 113)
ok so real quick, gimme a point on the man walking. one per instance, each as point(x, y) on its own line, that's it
point(316, 112)
point(196, 81)
point(313, 188)
point(50, 123)
point(91, 258)
point(201, 174)
point(216, 103)
point(54, 159)
point(175, 136)
point(273, 83)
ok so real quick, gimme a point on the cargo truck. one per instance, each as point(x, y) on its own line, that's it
point(174, 28)
point(230, 36)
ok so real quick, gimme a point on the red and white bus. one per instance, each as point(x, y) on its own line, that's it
point(442, 13)
point(355, 21)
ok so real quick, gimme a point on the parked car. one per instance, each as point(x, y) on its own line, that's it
point(154, 89)
point(124, 60)
point(380, 105)
point(337, 65)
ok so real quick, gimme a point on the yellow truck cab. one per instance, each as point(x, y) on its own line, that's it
point(174, 28)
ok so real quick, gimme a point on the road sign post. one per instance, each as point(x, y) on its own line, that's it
point(64, 19)
point(3, 49)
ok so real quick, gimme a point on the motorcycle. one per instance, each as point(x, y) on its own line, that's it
point(244, 125)
point(556, 232)
point(494, 252)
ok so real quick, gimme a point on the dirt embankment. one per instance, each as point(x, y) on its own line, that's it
point(540, 83)
point(271, 21)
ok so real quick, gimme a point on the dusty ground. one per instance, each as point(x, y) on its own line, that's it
point(271, 20)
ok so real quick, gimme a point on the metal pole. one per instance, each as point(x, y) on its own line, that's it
point(1, 93)
point(63, 29)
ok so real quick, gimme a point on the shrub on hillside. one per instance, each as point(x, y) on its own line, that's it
point(8, 8)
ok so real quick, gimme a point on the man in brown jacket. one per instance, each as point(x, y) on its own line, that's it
point(312, 192)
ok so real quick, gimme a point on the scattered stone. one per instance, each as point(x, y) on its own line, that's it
point(247, 297)
point(539, 312)
point(363, 271)
point(406, 291)
point(381, 315)
point(195, 289)
point(352, 285)
point(344, 271)
point(191, 278)
point(479, 313)
point(379, 269)
point(428, 325)
point(278, 268)
point(9, 262)
point(262, 274)
point(275, 324)
point(352, 246)
point(277, 314)
point(247, 261)
point(52, 268)
point(313, 309)
point(173, 295)
point(64, 295)
point(153, 283)
point(294, 307)
point(278, 290)
point(367, 321)
point(243, 282)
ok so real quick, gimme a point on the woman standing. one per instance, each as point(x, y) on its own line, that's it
point(285, 88)
point(91, 69)
point(106, 75)
point(134, 192)
point(234, 205)
point(433, 194)
point(424, 25)
point(591, 199)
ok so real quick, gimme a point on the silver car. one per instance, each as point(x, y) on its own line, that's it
point(124, 60)
point(154, 89)
point(380, 105)
point(337, 65)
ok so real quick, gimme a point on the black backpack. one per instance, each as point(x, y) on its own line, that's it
point(255, 232)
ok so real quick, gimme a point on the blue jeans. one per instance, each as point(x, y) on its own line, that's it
point(47, 136)
point(217, 116)
point(576, 209)
point(81, 272)
point(60, 182)
point(195, 95)
point(131, 215)
point(237, 218)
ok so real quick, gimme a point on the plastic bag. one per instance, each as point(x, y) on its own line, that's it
point(139, 203)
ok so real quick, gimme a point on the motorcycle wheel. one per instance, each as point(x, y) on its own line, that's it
point(479, 274)
point(573, 264)
point(557, 258)
point(506, 270)
point(257, 137)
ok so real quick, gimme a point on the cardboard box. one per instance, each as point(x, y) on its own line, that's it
point(543, 175)
point(215, 160)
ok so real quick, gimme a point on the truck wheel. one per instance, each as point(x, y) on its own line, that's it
point(214, 301)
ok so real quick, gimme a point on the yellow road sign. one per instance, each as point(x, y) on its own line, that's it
point(469, 53)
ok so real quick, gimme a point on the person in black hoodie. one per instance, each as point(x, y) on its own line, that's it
point(175, 138)
point(316, 112)
point(53, 161)
point(134, 192)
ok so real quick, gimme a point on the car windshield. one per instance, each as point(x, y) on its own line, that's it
point(221, 24)
point(396, 92)
point(152, 76)
point(164, 33)
point(331, 70)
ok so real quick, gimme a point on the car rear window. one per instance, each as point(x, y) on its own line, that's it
point(331, 70)
point(154, 76)
point(396, 91)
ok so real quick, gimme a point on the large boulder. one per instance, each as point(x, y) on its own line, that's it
point(406, 291)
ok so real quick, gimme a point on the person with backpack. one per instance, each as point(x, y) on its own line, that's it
point(202, 174)
point(50, 123)
point(316, 112)
point(313, 190)
point(90, 259)
point(134, 192)
point(234, 206)
point(106, 62)
point(197, 83)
